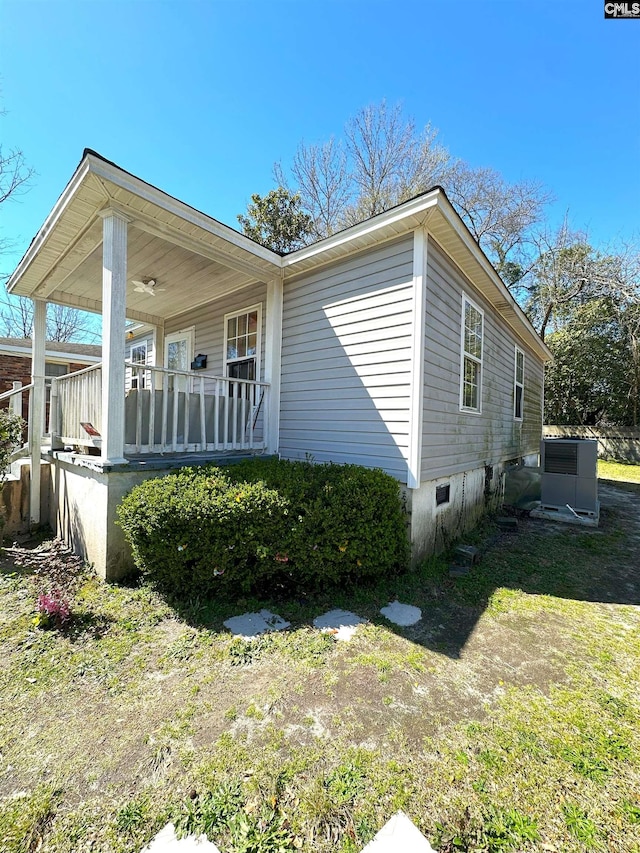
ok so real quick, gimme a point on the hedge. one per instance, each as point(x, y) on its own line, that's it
point(263, 523)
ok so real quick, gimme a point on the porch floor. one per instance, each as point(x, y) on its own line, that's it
point(148, 461)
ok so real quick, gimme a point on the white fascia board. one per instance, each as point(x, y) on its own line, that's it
point(453, 219)
point(403, 211)
point(49, 223)
point(152, 194)
point(72, 356)
point(57, 356)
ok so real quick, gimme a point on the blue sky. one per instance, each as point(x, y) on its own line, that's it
point(200, 97)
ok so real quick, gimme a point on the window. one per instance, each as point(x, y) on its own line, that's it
point(53, 369)
point(242, 343)
point(518, 385)
point(138, 356)
point(472, 346)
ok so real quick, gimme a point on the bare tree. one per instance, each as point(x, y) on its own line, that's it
point(569, 272)
point(63, 323)
point(380, 143)
point(322, 178)
point(500, 215)
point(15, 177)
point(384, 160)
point(16, 318)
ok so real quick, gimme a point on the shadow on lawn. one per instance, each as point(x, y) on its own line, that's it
point(540, 558)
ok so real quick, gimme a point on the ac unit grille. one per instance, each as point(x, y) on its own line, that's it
point(561, 458)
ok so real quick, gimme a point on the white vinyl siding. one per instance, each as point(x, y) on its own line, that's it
point(518, 385)
point(454, 441)
point(346, 361)
point(209, 325)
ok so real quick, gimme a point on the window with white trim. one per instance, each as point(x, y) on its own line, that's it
point(242, 343)
point(471, 363)
point(518, 385)
point(138, 356)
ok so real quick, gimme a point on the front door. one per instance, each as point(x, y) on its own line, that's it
point(178, 354)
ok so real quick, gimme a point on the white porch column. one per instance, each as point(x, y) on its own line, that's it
point(114, 295)
point(37, 407)
point(273, 361)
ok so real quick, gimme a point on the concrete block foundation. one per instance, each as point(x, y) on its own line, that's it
point(435, 527)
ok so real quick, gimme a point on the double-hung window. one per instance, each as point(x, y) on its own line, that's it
point(518, 385)
point(471, 357)
point(138, 356)
point(242, 343)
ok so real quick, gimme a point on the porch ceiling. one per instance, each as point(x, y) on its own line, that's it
point(193, 258)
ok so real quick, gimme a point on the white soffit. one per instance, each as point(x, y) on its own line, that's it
point(72, 231)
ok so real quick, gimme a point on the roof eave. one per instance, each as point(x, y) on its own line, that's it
point(454, 220)
point(420, 205)
point(95, 164)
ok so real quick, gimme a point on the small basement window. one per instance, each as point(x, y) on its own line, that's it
point(443, 494)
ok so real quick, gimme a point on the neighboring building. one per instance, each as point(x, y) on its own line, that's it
point(392, 344)
point(60, 359)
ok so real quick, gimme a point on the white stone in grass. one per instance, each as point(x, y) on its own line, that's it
point(399, 834)
point(166, 841)
point(251, 625)
point(401, 614)
point(341, 623)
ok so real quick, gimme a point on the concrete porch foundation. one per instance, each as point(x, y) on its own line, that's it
point(84, 497)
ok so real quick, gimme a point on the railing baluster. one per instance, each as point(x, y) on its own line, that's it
point(225, 425)
point(174, 432)
point(242, 429)
point(216, 417)
point(152, 411)
point(138, 411)
point(165, 414)
point(252, 409)
point(203, 417)
point(187, 401)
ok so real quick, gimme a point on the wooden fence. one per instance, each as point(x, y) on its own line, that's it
point(620, 443)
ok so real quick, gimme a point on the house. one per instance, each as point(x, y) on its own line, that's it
point(393, 343)
point(60, 358)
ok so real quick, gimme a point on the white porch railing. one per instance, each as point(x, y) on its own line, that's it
point(166, 411)
point(76, 399)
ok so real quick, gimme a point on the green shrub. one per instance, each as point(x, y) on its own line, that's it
point(195, 531)
point(346, 522)
point(262, 522)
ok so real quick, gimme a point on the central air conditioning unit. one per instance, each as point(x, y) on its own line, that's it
point(569, 468)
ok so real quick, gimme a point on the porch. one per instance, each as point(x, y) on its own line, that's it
point(166, 413)
point(121, 248)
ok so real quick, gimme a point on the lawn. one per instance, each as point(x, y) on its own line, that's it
point(505, 720)
point(622, 472)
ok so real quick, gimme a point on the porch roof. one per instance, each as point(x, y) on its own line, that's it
point(193, 257)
